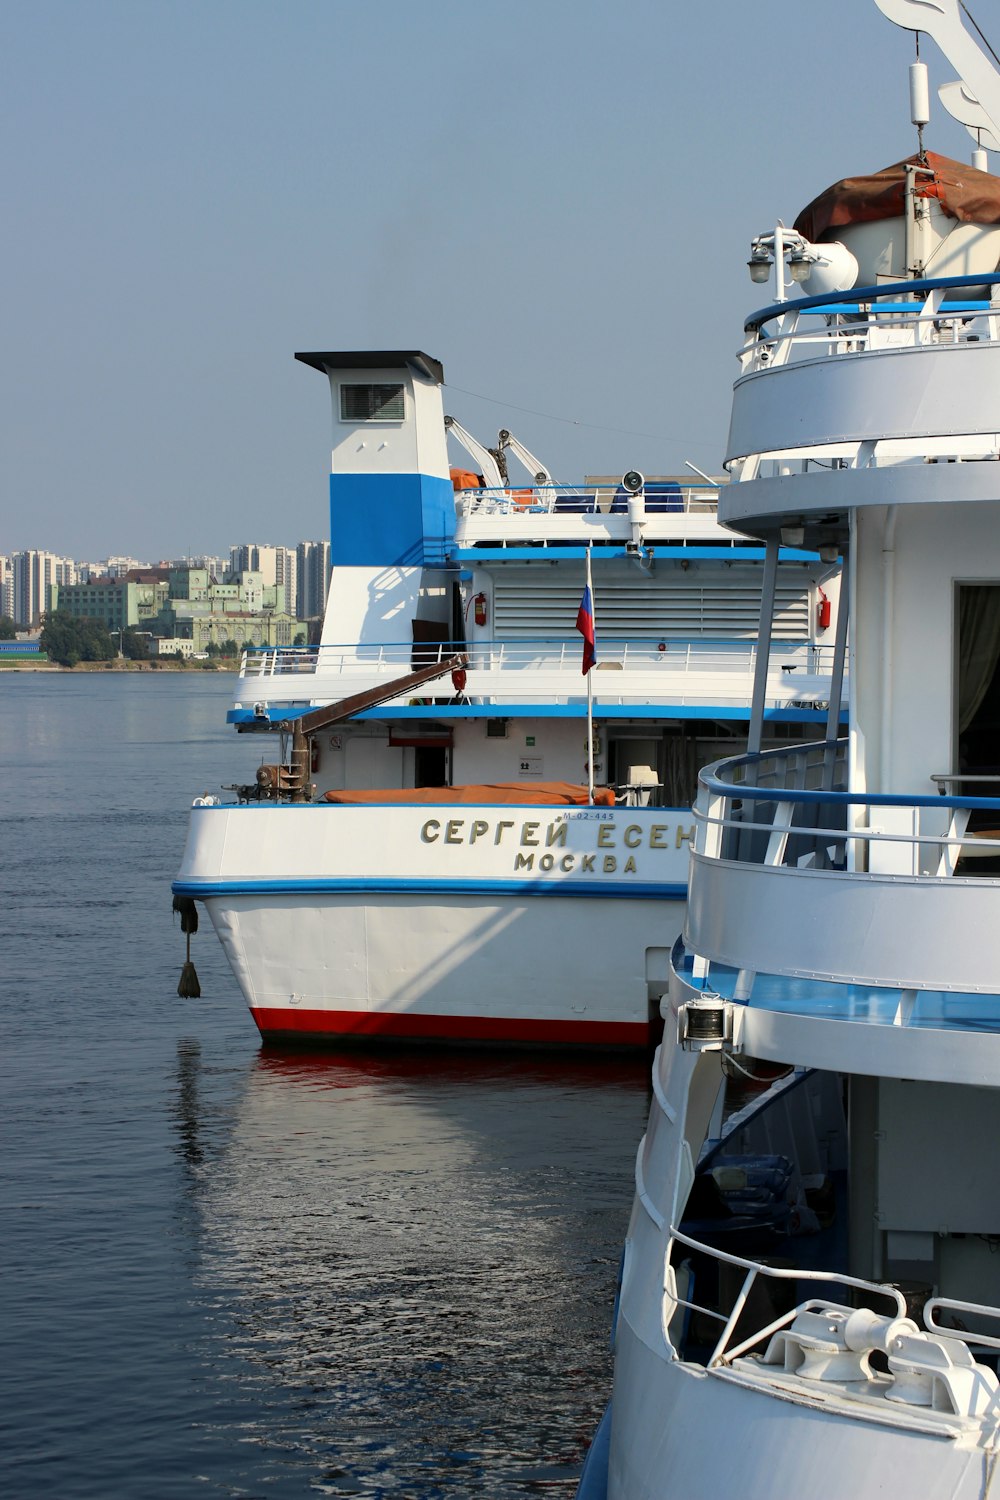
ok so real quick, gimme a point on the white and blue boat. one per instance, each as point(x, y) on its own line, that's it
point(810, 1296)
point(448, 808)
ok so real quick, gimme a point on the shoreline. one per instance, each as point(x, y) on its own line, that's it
point(83, 667)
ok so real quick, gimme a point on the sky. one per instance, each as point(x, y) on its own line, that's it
point(554, 199)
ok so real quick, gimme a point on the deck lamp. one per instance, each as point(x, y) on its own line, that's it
point(759, 266)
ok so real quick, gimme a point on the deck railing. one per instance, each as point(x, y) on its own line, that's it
point(796, 660)
point(871, 319)
point(684, 672)
point(790, 808)
point(659, 498)
point(725, 1350)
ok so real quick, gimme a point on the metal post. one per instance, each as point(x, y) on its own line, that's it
point(837, 678)
point(590, 695)
point(767, 592)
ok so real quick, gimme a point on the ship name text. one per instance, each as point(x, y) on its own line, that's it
point(526, 836)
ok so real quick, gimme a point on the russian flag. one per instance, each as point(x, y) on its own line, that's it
point(585, 625)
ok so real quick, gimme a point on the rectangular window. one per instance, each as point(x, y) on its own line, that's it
point(371, 403)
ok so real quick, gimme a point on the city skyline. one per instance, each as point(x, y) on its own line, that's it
point(299, 574)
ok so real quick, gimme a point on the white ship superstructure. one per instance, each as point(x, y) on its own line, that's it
point(421, 854)
point(810, 1302)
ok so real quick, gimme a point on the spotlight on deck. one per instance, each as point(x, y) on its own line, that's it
point(633, 481)
point(759, 265)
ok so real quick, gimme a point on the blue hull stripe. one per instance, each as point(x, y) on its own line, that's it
point(641, 891)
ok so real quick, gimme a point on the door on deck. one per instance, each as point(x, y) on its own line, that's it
point(977, 708)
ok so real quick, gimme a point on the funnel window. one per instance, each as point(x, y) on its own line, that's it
point(371, 403)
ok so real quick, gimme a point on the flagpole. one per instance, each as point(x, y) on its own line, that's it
point(590, 697)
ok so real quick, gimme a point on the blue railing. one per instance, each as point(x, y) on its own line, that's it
point(844, 302)
point(791, 808)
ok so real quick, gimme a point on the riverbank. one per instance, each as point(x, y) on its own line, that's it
point(224, 664)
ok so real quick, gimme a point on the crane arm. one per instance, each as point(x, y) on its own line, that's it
point(485, 463)
point(539, 473)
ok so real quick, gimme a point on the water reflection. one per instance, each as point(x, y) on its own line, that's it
point(413, 1260)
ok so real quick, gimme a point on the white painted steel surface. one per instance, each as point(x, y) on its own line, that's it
point(449, 912)
point(895, 930)
point(563, 847)
point(445, 956)
point(876, 1049)
point(821, 491)
point(678, 1430)
point(927, 391)
point(815, 947)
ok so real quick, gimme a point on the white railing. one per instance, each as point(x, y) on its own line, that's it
point(790, 809)
point(873, 320)
point(724, 1351)
point(659, 498)
point(960, 1311)
point(799, 670)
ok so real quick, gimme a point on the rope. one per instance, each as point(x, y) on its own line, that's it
point(548, 416)
point(729, 1061)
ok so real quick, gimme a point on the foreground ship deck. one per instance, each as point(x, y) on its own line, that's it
point(810, 1293)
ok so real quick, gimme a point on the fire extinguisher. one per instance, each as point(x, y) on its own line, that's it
point(823, 612)
point(479, 609)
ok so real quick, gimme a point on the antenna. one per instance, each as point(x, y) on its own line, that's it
point(701, 472)
point(979, 80)
point(920, 106)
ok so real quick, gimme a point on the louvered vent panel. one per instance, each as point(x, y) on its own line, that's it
point(646, 609)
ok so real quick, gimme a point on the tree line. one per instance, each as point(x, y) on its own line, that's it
point(67, 640)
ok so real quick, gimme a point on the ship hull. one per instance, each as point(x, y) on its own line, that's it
point(679, 1430)
point(365, 924)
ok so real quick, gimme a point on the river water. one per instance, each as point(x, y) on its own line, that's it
point(231, 1271)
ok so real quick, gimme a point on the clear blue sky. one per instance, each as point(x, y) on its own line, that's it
point(555, 199)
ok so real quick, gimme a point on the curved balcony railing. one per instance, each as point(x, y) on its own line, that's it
point(825, 1344)
point(794, 875)
point(790, 808)
point(871, 319)
point(835, 382)
point(726, 1348)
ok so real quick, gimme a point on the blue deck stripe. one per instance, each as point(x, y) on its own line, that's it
point(576, 710)
point(644, 891)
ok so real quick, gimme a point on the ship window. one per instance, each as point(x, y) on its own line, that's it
point(371, 403)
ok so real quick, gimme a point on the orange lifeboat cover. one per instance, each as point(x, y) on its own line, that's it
point(964, 193)
point(542, 793)
point(464, 479)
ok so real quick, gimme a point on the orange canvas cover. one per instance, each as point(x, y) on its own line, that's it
point(464, 479)
point(544, 793)
point(964, 193)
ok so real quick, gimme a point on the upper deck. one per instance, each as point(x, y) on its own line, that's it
point(860, 398)
point(639, 679)
point(595, 513)
point(857, 930)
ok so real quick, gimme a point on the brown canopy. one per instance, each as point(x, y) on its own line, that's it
point(963, 192)
point(546, 793)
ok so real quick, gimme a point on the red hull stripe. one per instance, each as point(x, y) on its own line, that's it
point(352, 1023)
